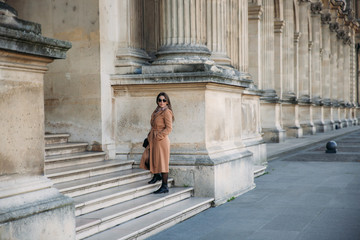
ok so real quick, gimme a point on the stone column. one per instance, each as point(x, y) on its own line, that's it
point(238, 33)
point(333, 73)
point(31, 208)
point(346, 76)
point(305, 108)
point(315, 67)
point(296, 80)
point(325, 71)
point(288, 53)
point(216, 15)
point(255, 64)
point(353, 74)
point(131, 54)
point(304, 83)
point(267, 48)
point(279, 55)
point(182, 34)
point(270, 105)
point(341, 81)
point(290, 113)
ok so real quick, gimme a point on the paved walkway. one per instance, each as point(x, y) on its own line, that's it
point(305, 195)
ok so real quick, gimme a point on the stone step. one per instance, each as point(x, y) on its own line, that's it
point(94, 201)
point(259, 170)
point(64, 148)
point(55, 138)
point(101, 182)
point(101, 220)
point(157, 221)
point(72, 159)
point(71, 173)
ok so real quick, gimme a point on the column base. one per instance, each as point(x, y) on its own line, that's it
point(221, 59)
point(130, 60)
point(182, 54)
point(210, 142)
point(32, 209)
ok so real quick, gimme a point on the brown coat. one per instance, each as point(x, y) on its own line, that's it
point(158, 150)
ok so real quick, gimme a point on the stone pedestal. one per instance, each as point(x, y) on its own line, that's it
point(290, 113)
point(271, 122)
point(30, 208)
point(216, 128)
point(318, 114)
point(355, 116)
point(336, 116)
point(343, 117)
point(305, 119)
point(328, 121)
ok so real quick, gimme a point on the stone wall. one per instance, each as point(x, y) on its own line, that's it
point(72, 86)
point(302, 56)
point(30, 207)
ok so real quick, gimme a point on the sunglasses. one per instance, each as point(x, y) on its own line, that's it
point(163, 100)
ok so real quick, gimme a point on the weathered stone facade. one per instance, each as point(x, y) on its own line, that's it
point(30, 207)
point(239, 73)
point(307, 53)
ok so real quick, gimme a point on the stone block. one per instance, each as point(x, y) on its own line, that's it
point(212, 123)
point(32, 209)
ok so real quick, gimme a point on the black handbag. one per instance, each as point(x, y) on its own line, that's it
point(145, 143)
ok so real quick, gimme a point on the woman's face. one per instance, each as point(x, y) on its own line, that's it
point(162, 101)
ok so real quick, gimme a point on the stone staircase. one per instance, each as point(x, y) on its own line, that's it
point(112, 198)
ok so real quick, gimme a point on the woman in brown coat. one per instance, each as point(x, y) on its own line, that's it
point(158, 150)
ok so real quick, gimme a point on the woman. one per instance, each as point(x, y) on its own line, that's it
point(158, 149)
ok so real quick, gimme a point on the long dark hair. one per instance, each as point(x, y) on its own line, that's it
point(168, 102)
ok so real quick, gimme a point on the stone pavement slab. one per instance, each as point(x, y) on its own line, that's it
point(316, 199)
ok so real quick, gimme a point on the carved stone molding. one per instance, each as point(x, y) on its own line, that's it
point(327, 102)
point(255, 12)
point(305, 99)
point(304, 1)
point(325, 18)
point(279, 26)
point(317, 101)
point(269, 95)
point(316, 7)
point(334, 26)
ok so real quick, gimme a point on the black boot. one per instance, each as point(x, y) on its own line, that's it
point(156, 178)
point(163, 189)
